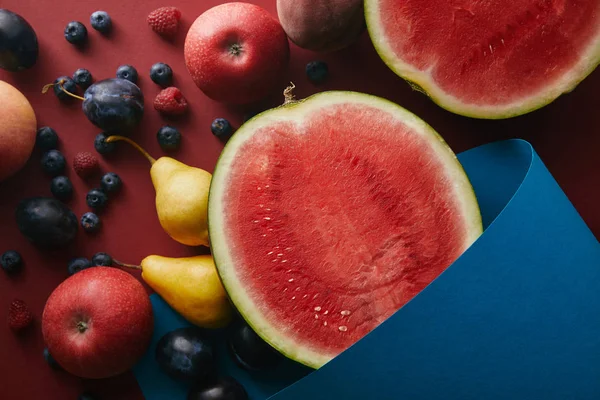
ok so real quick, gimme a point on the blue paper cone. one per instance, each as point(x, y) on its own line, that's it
point(516, 317)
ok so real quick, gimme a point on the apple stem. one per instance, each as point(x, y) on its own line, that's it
point(121, 264)
point(82, 326)
point(116, 138)
point(60, 83)
point(288, 94)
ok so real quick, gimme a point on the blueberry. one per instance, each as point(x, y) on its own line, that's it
point(86, 396)
point(96, 199)
point(51, 361)
point(169, 138)
point(11, 262)
point(161, 74)
point(111, 182)
point(317, 71)
point(114, 105)
point(83, 78)
point(66, 83)
point(46, 138)
point(102, 259)
point(53, 162)
point(61, 188)
point(101, 21)
point(221, 128)
point(127, 72)
point(102, 146)
point(78, 264)
point(90, 222)
point(75, 33)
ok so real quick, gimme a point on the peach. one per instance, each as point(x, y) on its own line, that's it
point(18, 126)
point(322, 25)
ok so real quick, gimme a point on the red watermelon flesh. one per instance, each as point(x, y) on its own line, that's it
point(488, 58)
point(335, 221)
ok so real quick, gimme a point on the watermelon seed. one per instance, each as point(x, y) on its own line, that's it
point(261, 205)
point(264, 235)
point(258, 188)
point(288, 248)
point(291, 279)
point(326, 312)
point(285, 289)
point(305, 296)
point(343, 328)
point(317, 308)
point(298, 289)
point(315, 296)
point(345, 312)
point(283, 261)
point(256, 221)
point(316, 316)
point(269, 253)
point(293, 297)
point(267, 218)
point(324, 323)
point(279, 254)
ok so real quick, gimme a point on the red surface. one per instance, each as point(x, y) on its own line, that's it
point(300, 232)
point(472, 64)
point(566, 134)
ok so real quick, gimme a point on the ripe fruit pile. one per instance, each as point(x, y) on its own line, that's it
point(288, 243)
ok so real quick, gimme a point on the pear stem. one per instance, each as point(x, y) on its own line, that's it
point(60, 83)
point(117, 138)
point(288, 94)
point(120, 264)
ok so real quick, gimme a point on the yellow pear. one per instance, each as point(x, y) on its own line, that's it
point(191, 286)
point(182, 200)
point(181, 197)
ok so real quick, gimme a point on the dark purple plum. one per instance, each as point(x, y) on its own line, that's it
point(18, 42)
point(222, 388)
point(115, 105)
point(46, 222)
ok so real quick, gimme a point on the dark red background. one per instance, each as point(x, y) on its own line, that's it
point(565, 134)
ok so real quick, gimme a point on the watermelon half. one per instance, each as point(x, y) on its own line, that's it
point(488, 59)
point(328, 215)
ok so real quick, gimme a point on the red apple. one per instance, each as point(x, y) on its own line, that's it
point(17, 130)
point(98, 323)
point(236, 53)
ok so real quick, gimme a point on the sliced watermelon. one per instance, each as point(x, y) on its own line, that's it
point(328, 215)
point(488, 59)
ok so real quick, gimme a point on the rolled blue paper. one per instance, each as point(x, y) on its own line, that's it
point(515, 317)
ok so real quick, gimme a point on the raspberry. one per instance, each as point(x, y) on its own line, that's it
point(165, 21)
point(170, 101)
point(85, 164)
point(19, 316)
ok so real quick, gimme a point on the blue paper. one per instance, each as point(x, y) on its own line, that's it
point(516, 317)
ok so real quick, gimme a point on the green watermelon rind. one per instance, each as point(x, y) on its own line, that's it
point(219, 242)
point(423, 82)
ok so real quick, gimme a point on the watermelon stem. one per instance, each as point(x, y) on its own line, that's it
point(121, 264)
point(117, 138)
point(288, 94)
